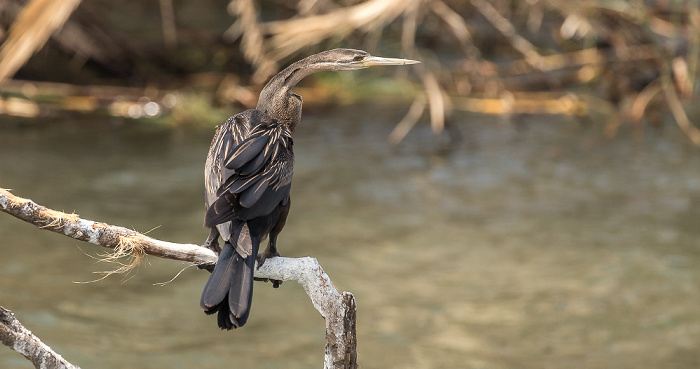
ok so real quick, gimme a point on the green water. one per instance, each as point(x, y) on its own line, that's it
point(534, 244)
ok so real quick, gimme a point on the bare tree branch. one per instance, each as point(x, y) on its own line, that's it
point(339, 310)
point(15, 336)
point(125, 241)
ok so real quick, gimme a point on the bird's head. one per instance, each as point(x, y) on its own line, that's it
point(277, 99)
point(351, 59)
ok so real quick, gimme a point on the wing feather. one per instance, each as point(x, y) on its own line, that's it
point(246, 151)
point(253, 194)
point(252, 160)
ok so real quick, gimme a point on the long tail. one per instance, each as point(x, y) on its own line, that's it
point(229, 290)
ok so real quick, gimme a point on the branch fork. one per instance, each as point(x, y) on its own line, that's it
point(339, 310)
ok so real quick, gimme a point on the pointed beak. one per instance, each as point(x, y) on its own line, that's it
point(371, 61)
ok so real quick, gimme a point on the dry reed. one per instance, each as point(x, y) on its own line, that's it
point(33, 26)
point(627, 56)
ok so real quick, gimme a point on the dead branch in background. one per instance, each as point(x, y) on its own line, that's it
point(508, 30)
point(167, 17)
point(535, 71)
point(287, 37)
point(437, 98)
point(338, 310)
point(78, 33)
point(607, 51)
point(34, 25)
point(248, 27)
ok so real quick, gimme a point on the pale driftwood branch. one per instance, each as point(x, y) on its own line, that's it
point(126, 241)
point(339, 310)
point(15, 336)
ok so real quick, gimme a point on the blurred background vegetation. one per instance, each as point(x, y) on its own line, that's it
point(625, 61)
point(560, 229)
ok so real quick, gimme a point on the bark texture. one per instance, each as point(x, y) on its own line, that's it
point(339, 310)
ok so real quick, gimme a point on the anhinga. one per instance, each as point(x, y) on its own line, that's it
point(248, 175)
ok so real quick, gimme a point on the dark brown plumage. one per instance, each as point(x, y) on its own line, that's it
point(248, 176)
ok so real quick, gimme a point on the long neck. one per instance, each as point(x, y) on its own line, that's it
point(278, 100)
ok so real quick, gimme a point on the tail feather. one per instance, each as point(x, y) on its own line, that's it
point(220, 280)
point(229, 290)
point(224, 318)
point(240, 294)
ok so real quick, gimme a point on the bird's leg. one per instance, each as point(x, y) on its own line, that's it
point(270, 252)
point(212, 241)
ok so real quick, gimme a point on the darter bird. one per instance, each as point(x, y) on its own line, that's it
point(248, 175)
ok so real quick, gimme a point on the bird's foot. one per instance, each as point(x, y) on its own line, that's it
point(213, 245)
point(264, 255)
point(275, 283)
point(261, 260)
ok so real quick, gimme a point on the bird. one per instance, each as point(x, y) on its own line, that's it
point(248, 176)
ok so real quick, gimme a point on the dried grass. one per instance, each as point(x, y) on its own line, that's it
point(55, 218)
point(249, 28)
point(48, 217)
point(32, 28)
point(129, 248)
point(636, 31)
point(556, 46)
point(404, 126)
point(288, 37)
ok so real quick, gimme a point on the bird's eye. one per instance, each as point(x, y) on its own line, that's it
point(358, 58)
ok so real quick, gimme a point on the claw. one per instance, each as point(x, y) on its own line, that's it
point(264, 255)
point(261, 260)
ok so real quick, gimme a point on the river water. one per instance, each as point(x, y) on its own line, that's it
point(532, 243)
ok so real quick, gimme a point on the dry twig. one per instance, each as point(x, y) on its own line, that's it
point(506, 28)
point(15, 336)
